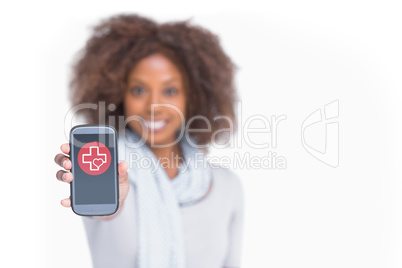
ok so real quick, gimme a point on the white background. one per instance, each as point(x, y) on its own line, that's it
point(294, 57)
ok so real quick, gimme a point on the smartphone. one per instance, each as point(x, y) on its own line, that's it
point(94, 156)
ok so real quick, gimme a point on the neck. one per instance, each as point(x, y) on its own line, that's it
point(166, 151)
point(171, 155)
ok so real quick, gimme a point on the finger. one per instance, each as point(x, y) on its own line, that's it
point(123, 166)
point(65, 148)
point(123, 176)
point(63, 161)
point(66, 202)
point(65, 176)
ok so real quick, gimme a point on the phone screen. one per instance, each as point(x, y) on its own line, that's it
point(94, 161)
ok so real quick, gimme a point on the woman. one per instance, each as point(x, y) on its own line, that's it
point(163, 80)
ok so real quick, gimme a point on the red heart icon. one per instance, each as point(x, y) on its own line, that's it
point(98, 162)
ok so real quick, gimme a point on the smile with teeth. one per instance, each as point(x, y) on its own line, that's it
point(155, 125)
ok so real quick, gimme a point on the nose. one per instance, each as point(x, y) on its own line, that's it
point(153, 101)
point(155, 97)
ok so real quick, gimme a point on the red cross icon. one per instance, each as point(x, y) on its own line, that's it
point(94, 158)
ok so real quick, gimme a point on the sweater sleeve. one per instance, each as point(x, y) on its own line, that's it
point(234, 253)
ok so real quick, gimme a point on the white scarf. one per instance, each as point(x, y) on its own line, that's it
point(158, 198)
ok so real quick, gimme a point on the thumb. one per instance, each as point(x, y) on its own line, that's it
point(123, 166)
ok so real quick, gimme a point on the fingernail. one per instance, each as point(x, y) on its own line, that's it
point(64, 163)
point(63, 177)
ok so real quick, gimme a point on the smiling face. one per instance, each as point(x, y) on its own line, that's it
point(155, 80)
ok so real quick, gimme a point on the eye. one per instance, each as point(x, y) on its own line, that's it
point(137, 91)
point(171, 91)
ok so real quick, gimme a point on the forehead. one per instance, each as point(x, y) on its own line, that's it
point(155, 66)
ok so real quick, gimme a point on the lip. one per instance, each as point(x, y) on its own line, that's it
point(156, 125)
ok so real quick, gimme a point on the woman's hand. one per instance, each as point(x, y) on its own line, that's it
point(66, 176)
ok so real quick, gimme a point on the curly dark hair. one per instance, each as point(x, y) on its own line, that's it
point(101, 68)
